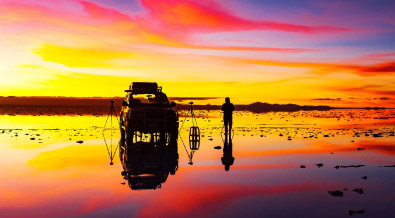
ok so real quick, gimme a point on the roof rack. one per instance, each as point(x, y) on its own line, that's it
point(144, 88)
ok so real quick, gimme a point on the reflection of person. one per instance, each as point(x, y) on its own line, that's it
point(227, 159)
point(228, 108)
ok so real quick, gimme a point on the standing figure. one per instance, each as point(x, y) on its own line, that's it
point(228, 108)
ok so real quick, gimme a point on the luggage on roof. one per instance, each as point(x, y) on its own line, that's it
point(143, 88)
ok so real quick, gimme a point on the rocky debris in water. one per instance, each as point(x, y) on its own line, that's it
point(302, 166)
point(364, 177)
point(350, 166)
point(217, 147)
point(79, 142)
point(388, 166)
point(358, 190)
point(351, 212)
point(360, 149)
point(336, 193)
point(377, 135)
point(319, 165)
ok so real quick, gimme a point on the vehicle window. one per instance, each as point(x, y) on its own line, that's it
point(148, 99)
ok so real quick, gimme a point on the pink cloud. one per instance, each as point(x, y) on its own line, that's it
point(209, 16)
point(98, 12)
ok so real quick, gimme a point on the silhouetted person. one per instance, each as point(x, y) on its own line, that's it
point(228, 108)
point(227, 159)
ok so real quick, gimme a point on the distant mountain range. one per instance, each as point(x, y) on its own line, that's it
point(100, 102)
point(262, 107)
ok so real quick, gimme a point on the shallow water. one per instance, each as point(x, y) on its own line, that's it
point(44, 172)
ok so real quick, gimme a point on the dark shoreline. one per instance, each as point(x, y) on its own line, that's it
point(104, 110)
point(100, 106)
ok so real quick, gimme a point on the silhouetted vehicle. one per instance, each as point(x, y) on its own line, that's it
point(149, 132)
point(146, 109)
point(148, 160)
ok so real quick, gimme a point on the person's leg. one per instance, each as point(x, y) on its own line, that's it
point(230, 125)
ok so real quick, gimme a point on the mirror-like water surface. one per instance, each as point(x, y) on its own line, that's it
point(301, 164)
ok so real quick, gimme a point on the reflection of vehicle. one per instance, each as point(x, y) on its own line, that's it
point(146, 109)
point(149, 132)
point(148, 160)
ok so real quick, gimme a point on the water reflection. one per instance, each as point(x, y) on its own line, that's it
point(43, 153)
point(227, 158)
point(148, 159)
point(194, 145)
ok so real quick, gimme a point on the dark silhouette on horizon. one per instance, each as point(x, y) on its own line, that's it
point(227, 158)
point(228, 109)
point(99, 106)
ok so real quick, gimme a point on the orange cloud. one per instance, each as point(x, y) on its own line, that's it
point(368, 89)
point(381, 68)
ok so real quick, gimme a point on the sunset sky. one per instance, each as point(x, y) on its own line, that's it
point(304, 52)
